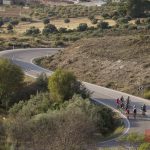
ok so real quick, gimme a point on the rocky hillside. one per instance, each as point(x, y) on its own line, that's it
point(121, 62)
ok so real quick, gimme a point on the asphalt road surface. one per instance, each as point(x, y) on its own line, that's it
point(24, 59)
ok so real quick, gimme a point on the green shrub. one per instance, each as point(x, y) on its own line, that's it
point(103, 25)
point(46, 21)
point(67, 20)
point(91, 17)
point(94, 21)
point(62, 30)
point(122, 20)
point(129, 18)
point(73, 124)
point(132, 27)
point(147, 94)
point(50, 28)
point(71, 127)
point(25, 19)
point(10, 27)
point(17, 107)
point(59, 44)
point(42, 82)
point(1, 22)
point(114, 18)
point(32, 31)
point(11, 79)
point(105, 15)
point(35, 105)
point(133, 138)
point(144, 146)
point(114, 14)
point(125, 26)
point(82, 27)
point(63, 85)
point(14, 22)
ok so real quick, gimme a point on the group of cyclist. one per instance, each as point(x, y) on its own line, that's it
point(125, 105)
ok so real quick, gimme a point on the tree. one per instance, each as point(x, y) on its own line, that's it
point(42, 82)
point(14, 22)
point(135, 8)
point(11, 79)
point(50, 28)
point(1, 22)
point(91, 17)
point(46, 21)
point(32, 31)
point(62, 30)
point(10, 27)
point(103, 25)
point(94, 21)
point(63, 85)
point(67, 20)
point(122, 20)
point(82, 27)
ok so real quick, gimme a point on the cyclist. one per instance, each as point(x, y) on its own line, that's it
point(134, 111)
point(143, 108)
point(127, 113)
point(118, 102)
point(122, 99)
point(122, 102)
point(122, 105)
point(128, 100)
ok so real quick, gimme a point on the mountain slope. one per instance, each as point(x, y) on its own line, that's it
point(121, 62)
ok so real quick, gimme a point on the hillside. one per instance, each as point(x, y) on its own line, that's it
point(121, 62)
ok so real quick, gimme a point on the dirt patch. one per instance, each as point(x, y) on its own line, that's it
point(120, 62)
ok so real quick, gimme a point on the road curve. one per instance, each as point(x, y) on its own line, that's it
point(24, 58)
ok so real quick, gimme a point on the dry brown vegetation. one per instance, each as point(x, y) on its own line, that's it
point(14, 11)
point(120, 62)
point(59, 23)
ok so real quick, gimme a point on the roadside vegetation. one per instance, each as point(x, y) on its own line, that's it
point(107, 45)
point(57, 113)
point(136, 141)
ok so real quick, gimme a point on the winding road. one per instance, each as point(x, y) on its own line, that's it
point(24, 59)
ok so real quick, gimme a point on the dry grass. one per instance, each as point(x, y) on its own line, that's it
point(22, 27)
point(14, 11)
point(132, 22)
point(110, 22)
point(74, 23)
point(6, 36)
point(29, 79)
